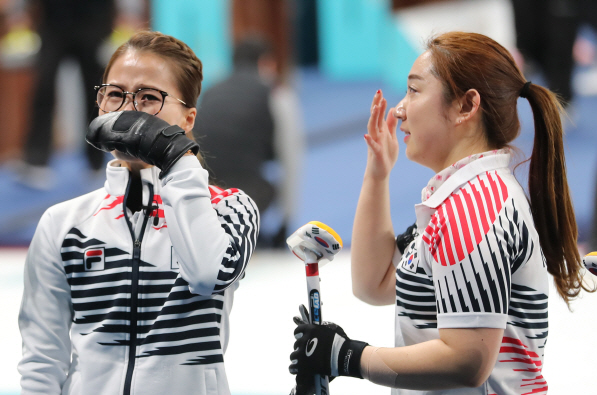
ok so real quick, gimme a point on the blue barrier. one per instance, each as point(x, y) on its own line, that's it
point(205, 26)
point(359, 39)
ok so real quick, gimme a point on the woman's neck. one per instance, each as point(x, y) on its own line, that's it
point(136, 167)
point(465, 148)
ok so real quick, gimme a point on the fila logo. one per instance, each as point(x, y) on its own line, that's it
point(93, 259)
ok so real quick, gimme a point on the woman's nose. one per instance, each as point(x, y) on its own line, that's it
point(128, 104)
point(400, 112)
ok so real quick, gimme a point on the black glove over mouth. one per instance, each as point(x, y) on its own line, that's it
point(142, 136)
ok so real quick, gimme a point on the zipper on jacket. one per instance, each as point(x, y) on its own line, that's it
point(134, 287)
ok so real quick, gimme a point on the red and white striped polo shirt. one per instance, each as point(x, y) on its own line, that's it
point(476, 262)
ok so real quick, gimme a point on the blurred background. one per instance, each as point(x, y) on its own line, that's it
point(320, 62)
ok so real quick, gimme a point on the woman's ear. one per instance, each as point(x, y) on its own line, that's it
point(469, 105)
point(189, 119)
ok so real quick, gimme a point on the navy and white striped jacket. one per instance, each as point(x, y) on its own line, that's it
point(135, 303)
point(476, 262)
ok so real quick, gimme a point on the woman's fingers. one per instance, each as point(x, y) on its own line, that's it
point(376, 98)
point(381, 137)
point(380, 116)
point(375, 147)
point(391, 122)
point(372, 124)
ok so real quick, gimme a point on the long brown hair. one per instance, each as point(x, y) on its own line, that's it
point(464, 61)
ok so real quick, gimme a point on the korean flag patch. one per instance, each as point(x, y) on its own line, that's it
point(410, 262)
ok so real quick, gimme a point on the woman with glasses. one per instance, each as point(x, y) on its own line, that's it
point(128, 289)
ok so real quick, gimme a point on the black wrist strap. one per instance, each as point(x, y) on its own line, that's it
point(349, 358)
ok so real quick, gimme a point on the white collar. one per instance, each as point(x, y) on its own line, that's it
point(464, 174)
point(118, 177)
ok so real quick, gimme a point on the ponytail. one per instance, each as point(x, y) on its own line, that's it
point(466, 61)
point(549, 194)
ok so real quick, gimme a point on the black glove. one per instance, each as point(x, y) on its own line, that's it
point(305, 383)
point(141, 135)
point(325, 350)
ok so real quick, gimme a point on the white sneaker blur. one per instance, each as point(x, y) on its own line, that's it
point(37, 177)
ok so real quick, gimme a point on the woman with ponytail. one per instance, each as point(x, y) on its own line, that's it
point(470, 278)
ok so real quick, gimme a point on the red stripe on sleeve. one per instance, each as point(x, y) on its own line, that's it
point(496, 193)
point(535, 383)
point(446, 240)
point(440, 237)
point(218, 197)
point(531, 357)
point(214, 191)
point(434, 237)
point(512, 340)
point(536, 391)
point(465, 223)
point(540, 377)
point(473, 214)
point(488, 201)
point(503, 187)
point(481, 208)
point(455, 233)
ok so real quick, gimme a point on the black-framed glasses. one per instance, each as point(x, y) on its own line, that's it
point(111, 98)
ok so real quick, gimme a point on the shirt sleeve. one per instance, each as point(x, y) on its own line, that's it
point(469, 247)
point(45, 316)
point(213, 236)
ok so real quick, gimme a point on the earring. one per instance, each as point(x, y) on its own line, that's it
point(459, 121)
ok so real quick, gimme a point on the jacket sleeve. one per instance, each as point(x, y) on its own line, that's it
point(213, 240)
point(45, 316)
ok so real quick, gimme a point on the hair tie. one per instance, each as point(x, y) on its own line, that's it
point(524, 92)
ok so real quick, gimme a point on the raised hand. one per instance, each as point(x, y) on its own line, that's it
point(381, 139)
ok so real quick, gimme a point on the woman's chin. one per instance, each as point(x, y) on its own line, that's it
point(125, 157)
point(131, 161)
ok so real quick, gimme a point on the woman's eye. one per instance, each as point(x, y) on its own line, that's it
point(149, 97)
point(115, 94)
